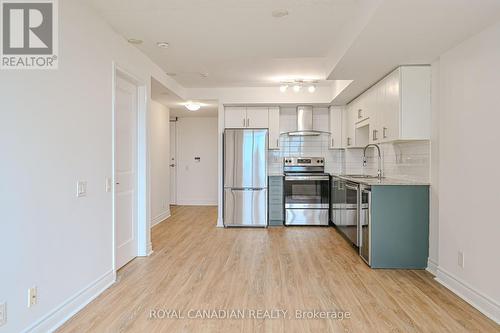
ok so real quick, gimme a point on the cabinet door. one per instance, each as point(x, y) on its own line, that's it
point(274, 128)
point(276, 204)
point(361, 106)
point(376, 113)
point(336, 127)
point(391, 122)
point(351, 119)
point(235, 117)
point(257, 117)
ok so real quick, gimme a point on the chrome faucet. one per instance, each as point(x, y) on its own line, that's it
point(379, 171)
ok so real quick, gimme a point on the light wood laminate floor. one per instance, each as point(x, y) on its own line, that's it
point(196, 266)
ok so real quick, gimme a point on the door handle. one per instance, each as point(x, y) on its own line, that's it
point(172, 165)
point(385, 133)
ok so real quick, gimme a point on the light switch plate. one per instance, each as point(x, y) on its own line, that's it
point(81, 188)
point(32, 296)
point(108, 185)
point(3, 314)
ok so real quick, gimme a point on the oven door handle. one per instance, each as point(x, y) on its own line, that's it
point(307, 178)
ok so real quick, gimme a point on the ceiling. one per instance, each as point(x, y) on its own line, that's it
point(403, 32)
point(235, 42)
point(238, 43)
point(160, 94)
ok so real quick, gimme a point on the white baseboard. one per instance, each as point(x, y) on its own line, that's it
point(486, 305)
point(432, 266)
point(220, 223)
point(55, 319)
point(160, 218)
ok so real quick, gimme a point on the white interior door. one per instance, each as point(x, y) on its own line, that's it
point(125, 171)
point(173, 163)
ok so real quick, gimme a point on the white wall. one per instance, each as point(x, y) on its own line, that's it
point(197, 182)
point(469, 159)
point(160, 159)
point(56, 129)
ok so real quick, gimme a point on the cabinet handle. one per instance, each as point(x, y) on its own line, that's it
point(248, 122)
point(385, 133)
point(360, 115)
point(277, 142)
point(333, 142)
point(244, 122)
point(348, 141)
point(375, 135)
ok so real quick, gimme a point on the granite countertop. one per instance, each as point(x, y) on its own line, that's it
point(383, 181)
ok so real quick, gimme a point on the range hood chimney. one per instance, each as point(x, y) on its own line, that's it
point(305, 122)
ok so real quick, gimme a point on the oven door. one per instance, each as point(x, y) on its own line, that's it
point(307, 192)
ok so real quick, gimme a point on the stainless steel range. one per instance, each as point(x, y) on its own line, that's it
point(307, 191)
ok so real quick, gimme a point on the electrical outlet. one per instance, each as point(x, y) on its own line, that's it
point(3, 314)
point(461, 262)
point(32, 296)
point(81, 188)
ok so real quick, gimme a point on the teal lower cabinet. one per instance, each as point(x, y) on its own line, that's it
point(276, 201)
point(399, 226)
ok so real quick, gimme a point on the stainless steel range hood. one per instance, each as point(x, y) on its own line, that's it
point(305, 122)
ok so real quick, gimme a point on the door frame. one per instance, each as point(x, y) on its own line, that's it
point(144, 247)
point(175, 147)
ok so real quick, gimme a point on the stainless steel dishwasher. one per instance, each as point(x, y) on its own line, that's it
point(345, 209)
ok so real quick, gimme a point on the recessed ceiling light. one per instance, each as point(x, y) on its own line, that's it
point(279, 13)
point(204, 75)
point(162, 45)
point(311, 88)
point(135, 41)
point(296, 88)
point(192, 106)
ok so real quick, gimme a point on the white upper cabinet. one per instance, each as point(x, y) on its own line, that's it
point(415, 103)
point(274, 128)
point(235, 116)
point(257, 117)
point(336, 118)
point(396, 108)
point(246, 117)
point(390, 112)
point(351, 118)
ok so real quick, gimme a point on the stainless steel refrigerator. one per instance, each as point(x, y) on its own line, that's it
point(245, 177)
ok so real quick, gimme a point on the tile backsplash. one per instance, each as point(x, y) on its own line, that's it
point(401, 160)
point(305, 146)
